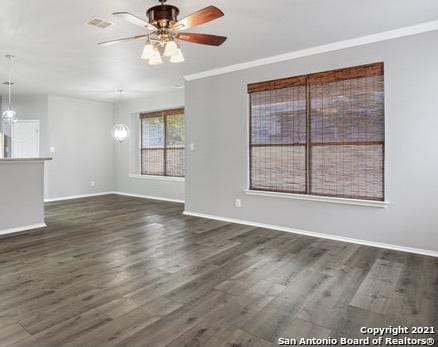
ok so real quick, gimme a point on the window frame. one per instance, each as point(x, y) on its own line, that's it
point(164, 114)
point(297, 81)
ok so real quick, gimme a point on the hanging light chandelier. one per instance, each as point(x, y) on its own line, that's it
point(9, 115)
point(120, 132)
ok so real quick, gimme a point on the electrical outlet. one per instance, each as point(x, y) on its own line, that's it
point(192, 146)
point(238, 203)
point(52, 149)
point(93, 183)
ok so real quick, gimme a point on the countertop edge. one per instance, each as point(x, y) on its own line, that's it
point(9, 160)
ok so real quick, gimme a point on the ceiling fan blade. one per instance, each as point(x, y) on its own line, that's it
point(135, 20)
point(199, 17)
point(203, 39)
point(112, 42)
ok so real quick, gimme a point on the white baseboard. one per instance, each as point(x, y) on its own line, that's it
point(23, 228)
point(315, 234)
point(150, 197)
point(77, 196)
point(117, 193)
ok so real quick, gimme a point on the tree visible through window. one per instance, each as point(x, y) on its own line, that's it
point(320, 134)
point(162, 143)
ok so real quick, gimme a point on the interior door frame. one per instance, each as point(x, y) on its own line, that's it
point(37, 122)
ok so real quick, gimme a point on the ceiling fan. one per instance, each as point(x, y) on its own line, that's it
point(166, 31)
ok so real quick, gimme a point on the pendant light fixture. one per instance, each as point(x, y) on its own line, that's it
point(120, 132)
point(9, 115)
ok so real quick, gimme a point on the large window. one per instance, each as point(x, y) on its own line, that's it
point(319, 134)
point(162, 143)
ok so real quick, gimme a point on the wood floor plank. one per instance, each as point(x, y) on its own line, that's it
point(327, 305)
point(167, 329)
point(11, 334)
point(244, 306)
point(114, 331)
point(198, 335)
point(122, 271)
point(117, 308)
point(237, 337)
point(298, 328)
point(270, 322)
point(66, 330)
point(161, 306)
point(376, 291)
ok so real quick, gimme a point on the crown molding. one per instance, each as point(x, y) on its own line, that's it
point(331, 47)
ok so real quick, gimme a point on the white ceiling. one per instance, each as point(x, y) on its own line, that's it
point(57, 53)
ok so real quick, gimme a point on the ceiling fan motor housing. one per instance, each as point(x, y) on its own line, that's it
point(163, 16)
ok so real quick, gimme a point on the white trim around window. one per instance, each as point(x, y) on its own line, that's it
point(344, 201)
point(159, 178)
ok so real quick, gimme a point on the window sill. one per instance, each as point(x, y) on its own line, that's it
point(159, 178)
point(368, 203)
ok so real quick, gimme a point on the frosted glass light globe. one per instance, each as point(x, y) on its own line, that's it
point(177, 56)
point(120, 132)
point(148, 50)
point(9, 115)
point(155, 58)
point(170, 48)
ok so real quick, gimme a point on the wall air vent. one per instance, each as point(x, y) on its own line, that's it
point(99, 23)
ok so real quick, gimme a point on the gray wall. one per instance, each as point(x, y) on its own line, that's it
point(216, 121)
point(21, 187)
point(31, 107)
point(80, 131)
point(127, 154)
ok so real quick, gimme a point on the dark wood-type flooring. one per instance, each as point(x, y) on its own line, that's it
point(119, 271)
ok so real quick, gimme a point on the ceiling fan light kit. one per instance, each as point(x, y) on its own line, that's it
point(165, 26)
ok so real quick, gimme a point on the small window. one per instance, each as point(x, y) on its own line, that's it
point(162, 143)
point(320, 134)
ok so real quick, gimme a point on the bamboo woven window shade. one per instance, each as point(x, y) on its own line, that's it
point(163, 143)
point(320, 134)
